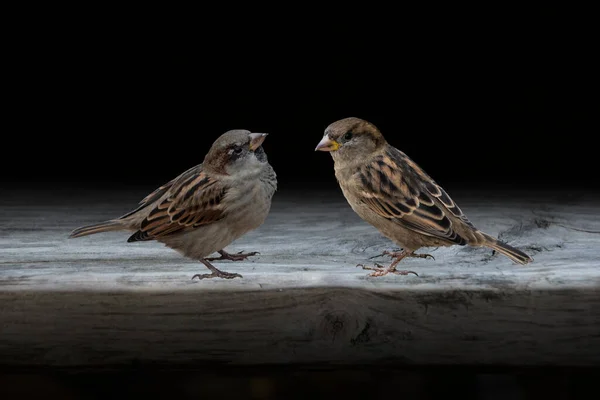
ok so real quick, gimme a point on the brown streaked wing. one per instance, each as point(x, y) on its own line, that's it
point(159, 192)
point(194, 201)
point(438, 192)
point(392, 188)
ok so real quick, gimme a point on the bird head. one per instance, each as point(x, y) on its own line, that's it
point(351, 138)
point(237, 151)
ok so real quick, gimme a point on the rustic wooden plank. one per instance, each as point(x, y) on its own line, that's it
point(99, 300)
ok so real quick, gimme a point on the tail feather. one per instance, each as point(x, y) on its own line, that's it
point(105, 226)
point(514, 254)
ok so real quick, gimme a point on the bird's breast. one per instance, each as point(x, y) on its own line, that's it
point(252, 205)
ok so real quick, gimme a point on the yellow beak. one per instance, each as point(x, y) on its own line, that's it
point(327, 144)
point(256, 139)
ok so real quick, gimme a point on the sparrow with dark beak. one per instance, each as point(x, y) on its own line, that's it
point(256, 140)
point(208, 206)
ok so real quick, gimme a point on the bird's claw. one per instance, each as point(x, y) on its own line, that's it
point(220, 274)
point(386, 253)
point(380, 270)
point(248, 254)
point(240, 256)
point(384, 271)
point(378, 266)
point(405, 272)
point(422, 256)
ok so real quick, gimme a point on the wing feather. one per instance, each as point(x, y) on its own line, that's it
point(192, 200)
point(397, 189)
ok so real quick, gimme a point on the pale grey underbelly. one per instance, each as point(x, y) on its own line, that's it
point(205, 240)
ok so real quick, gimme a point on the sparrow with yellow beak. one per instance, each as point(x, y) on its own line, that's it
point(391, 192)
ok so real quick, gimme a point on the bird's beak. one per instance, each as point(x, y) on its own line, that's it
point(327, 144)
point(256, 139)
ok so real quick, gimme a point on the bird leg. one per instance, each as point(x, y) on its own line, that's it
point(395, 254)
point(216, 273)
point(233, 257)
point(384, 253)
point(379, 270)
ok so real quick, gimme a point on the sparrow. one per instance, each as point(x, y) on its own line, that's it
point(207, 207)
point(391, 192)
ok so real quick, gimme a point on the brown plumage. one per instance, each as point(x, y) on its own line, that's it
point(208, 206)
point(391, 192)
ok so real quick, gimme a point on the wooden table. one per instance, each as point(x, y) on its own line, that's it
point(98, 301)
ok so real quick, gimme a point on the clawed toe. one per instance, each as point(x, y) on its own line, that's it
point(380, 270)
point(240, 256)
point(405, 272)
point(387, 253)
point(254, 253)
point(422, 256)
point(377, 266)
point(220, 274)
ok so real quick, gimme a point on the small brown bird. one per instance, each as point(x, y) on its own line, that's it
point(388, 190)
point(208, 206)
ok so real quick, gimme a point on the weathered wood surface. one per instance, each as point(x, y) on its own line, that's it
point(99, 300)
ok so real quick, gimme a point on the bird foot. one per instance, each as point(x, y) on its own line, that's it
point(232, 257)
point(401, 254)
point(380, 270)
point(420, 255)
point(217, 274)
point(385, 253)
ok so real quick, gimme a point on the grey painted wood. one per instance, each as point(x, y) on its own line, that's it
point(99, 300)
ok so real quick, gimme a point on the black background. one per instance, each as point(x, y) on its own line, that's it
point(505, 100)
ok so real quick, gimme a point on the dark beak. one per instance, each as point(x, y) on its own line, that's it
point(256, 139)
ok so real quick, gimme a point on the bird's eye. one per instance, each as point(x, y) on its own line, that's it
point(237, 150)
point(348, 136)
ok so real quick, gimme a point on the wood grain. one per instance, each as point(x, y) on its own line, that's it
point(101, 301)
